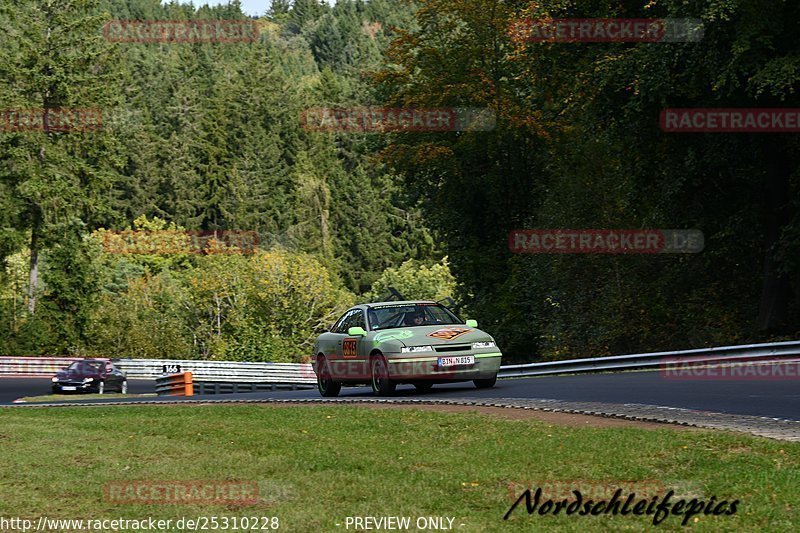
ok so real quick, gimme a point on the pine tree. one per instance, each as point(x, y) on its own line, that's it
point(58, 59)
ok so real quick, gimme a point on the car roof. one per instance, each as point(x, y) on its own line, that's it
point(408, 302)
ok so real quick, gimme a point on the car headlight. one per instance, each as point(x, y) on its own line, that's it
point(88, 380)
point(54, 380)
point(416, 349)
point(486, 344)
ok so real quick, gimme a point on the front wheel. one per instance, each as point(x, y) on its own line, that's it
point(485, 383)
point(381, 384)
point(101, 387)
point(325, 384)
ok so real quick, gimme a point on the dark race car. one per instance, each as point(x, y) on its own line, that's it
point(91, 375)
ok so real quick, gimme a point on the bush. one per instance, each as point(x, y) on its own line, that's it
point(269, 306)
point(415, 280)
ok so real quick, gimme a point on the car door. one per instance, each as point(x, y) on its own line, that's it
point(112, 378)
point(353, 354)
point(333, 350)
point(326, 343)
point(119, 376)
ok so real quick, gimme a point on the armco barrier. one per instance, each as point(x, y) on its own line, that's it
point(33, 366)
point(175, 385)
point(211, 371)
point(748, 352)
point(223, 371)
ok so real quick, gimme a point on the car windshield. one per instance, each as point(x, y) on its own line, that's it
point(410, 315)
point(85, 367)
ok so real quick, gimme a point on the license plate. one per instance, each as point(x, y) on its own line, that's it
point(457, 361)
point(69, 388)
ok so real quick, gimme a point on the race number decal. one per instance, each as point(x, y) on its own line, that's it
point(171, 369)
point(349, 348)
point(449, 334)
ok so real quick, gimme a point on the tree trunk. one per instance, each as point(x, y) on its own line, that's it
point(33, 277)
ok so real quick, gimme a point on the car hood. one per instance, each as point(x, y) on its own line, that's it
point(430, 335)
point(76, 375)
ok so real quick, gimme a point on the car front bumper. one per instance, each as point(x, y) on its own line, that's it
point(403, 367)
point(70, 386)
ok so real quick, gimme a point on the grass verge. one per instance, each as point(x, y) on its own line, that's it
point(316, 466)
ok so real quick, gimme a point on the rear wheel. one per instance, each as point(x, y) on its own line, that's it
point(381, 384)
point(485, 383)
point(123, 389)
point(325, 384)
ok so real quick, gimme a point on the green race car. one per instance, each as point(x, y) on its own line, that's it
point(422, 343)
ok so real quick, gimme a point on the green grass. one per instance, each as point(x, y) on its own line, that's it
point(80, 397)
point(318, 465)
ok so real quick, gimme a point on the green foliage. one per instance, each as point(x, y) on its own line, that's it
point(415, 280)
point(58, 59)
point(55, 184)
point(147, 320)
point(207, 136)
point(578, 145)
point(288, 300)
point(196, 136)
point(265, 307)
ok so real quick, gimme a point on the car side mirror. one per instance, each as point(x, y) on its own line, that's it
point(472, 323)
point(357, 332)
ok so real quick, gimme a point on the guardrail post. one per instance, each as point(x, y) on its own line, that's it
point(188, 384)
point(175, 385)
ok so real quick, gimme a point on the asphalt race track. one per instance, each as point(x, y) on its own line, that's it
point(766, 398)
point(13, 388)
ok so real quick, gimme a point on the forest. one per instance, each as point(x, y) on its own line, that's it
point(209, 138)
